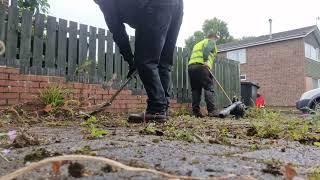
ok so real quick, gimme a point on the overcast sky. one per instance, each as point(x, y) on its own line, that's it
point(244, 17)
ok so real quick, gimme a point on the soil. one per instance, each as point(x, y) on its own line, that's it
point(184, 146)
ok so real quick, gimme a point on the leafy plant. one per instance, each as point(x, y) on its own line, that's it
point(84, 67)
point(54, 96)
point(262, 113)
point(91, 127)
point(35, 6)
point(268, 128)
point(315, 174)
point(179, 134)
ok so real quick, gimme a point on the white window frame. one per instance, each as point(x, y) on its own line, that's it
point(311, 52)
point(239, 55)
point(245, 77)
point(318, 83)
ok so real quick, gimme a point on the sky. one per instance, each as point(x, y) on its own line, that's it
point(244, 17)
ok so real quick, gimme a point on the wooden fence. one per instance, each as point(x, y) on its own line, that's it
point(45, 45)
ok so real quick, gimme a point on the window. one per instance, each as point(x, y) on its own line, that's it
point(238, 55)
point(311, 52)
point(316, 83)
point(243, 77)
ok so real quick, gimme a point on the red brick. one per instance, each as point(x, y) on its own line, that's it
point(94, 86)
point(19, 77)
point(78, 85)
point(126, 92)
point(4, 76)
point(55, 79)
point(13, 101)
point(87, 91)
point(4, 89)
point(112, 91)
point(75, 91)
point(32, 84)
point(17, 89)
point(106, 97)
point(28, 96)
point(3, 102)
point(4, 83)
point(98, 97)
point(44, 85)
point(9, 70)
point(9, 95)
point(102, 92)
point(35, 90)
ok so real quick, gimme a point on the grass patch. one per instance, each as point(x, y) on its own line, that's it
point(53, 95)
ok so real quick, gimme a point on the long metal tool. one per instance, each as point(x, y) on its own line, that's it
point(2, 48)
point(109, 103)
point(224, 91)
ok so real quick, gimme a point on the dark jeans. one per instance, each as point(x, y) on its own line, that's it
point(156, 38)
point(200, 78)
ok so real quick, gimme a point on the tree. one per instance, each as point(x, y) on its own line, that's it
point(194, 39)
point(35, 6)
point(211, 25)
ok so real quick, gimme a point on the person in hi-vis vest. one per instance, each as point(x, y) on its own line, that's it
point(200, 65)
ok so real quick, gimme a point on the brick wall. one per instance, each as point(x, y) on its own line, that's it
point(18, 88)
point(279, 70)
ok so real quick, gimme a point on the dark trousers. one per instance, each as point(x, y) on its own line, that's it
point(200, 78)
point(156, 38)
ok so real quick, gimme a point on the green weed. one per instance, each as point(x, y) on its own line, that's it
point(53, 95)
point(86, 150)
point(91, 127)
point(315, 174)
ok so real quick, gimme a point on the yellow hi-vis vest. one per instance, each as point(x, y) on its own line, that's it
point(197, 56)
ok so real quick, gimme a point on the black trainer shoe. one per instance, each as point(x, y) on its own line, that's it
point(148, 118)
point(198, 114)
point(213, 114)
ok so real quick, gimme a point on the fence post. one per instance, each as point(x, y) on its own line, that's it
point(109, 57)
point(72, 50)
point(92, 54)
point(62, 47)
point(25, 45)
point(101, 55)
point(174, 74)
point(38, 43)
point(12, 35)
point(51, 49)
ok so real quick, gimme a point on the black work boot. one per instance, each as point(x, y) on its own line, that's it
point(198, 114)
point(213, 114)
point(148, 118)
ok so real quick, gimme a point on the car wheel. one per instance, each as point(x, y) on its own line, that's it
point(316, 106)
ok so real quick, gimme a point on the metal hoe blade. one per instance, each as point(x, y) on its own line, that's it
point(107, 104)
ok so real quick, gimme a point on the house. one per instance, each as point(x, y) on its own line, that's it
point(284, 64)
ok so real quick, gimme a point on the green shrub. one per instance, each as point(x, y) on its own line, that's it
point(53, 95)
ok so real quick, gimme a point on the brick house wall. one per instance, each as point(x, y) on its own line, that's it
point(18, 88)
point(277, 69)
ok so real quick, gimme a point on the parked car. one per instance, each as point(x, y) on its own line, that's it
point(309, 100)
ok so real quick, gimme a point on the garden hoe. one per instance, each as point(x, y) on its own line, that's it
point(109, 103)
point(236, 107)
